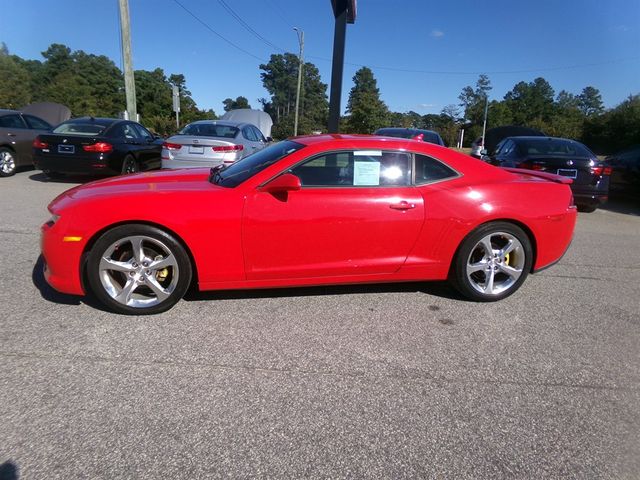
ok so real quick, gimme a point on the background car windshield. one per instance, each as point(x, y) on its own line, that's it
point(246, 168)
point(210, 130)
point(75, 128)
point(545, 146)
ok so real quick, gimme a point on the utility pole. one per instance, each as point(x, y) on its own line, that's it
point(300, 34)
point(129, 81)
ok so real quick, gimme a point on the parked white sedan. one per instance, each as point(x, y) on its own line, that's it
point(207, 143)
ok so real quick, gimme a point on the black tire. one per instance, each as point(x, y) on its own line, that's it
point(8, 162)
point(587, 208)
point(149, 282)
point(129, 165)
point(485, 277)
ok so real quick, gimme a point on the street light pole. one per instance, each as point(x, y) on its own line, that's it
point(484, 125)
point(300, 34)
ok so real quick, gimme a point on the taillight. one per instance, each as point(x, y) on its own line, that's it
point(37, 143)
point(601, 170)
point(171, 146)
point(531, 166)
point(228, 148)
point(100, 147)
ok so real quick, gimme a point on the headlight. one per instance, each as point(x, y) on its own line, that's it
point(51, 222)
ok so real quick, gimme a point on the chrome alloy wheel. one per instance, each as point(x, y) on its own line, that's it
point(138, 271)
point(495, 263)
point(7, 162)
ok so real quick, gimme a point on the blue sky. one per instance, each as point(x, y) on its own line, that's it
point(422, 53)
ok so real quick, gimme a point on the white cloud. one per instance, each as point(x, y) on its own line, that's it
point(437, 33)
point(427, 105)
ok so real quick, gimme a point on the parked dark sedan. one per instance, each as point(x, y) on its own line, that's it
point(415, 133)
point(625, 178)
point(17, 132)
point(560, 156)
point(97, 146)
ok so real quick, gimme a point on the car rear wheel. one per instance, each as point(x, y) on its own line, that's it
point(129, 165)
point(138, 270)
point(7, 162)
point(492, 262)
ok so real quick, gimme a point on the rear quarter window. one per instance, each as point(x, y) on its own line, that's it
point(429, 170)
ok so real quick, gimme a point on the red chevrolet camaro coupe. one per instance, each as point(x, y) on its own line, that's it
point(317, 210)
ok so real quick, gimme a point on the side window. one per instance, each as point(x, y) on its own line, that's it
point(247, 133)
point(130, 132)
point(355, 168)
point(258, 134)
point(36, 123)
point(431, 170)
point(142, 132)
point(12, 121)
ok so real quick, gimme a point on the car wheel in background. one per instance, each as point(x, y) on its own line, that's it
point(587, 208)
point(138, 270)
point(7, 162)
point(129, 165)
point(492, 262)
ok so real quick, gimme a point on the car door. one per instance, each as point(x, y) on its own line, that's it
point(356, 214)
point(251, 142)
point(16, 133)
point(262, 142)
point(150, 148)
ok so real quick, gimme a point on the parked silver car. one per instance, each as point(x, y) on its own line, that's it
point(17, 133)
point(207, 143)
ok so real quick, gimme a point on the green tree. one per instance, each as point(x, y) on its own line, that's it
point(616, 129)
point(239, 102)
point(531, 104)
point(15, 92)
point(367, 111)
point(280, 79)
point(590, 102)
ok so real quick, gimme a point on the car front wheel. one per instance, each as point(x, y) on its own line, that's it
point(138, 270)
point(492, 262)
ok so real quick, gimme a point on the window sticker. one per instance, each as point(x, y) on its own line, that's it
point(366, 173)
point(367, 153)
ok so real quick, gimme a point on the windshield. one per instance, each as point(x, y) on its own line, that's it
point(554, 146)
point(209, 130)
point(427, 136)
point(238, 172)
point(77, 128)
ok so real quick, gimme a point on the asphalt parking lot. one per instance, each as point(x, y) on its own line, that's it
point(391, 381)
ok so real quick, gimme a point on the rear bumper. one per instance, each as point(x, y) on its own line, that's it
point(590, 199)
point(173, 163)
point(93, 164)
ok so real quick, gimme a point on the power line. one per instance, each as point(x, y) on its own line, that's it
point(247, 27)
point(216, 33)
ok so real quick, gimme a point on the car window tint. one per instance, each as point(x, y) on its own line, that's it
point(258, 134)
point(249, 134)
point(209, 130)
point(80, 128)
point(431, 170)
point(36, 123)
point(142, 132)
point(12, 121)
point(355, 168)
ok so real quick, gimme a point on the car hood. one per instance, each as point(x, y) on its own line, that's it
point(147, 183)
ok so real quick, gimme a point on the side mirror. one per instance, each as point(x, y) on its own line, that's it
point(286, 182)
point(269, 139)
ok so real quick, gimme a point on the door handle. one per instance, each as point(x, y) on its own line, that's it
point(403, 205)
point(11, 134)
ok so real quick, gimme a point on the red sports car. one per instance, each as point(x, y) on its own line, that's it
point(317, 210)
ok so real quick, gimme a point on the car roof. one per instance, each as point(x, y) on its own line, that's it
point(99, 120)
point(539, 138)
point(408, 130)
point(7, 112)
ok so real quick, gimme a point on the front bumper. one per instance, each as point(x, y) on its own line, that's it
point(62, 256)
